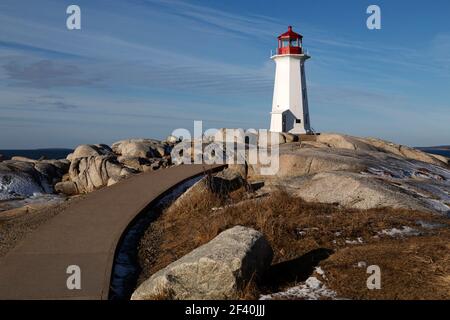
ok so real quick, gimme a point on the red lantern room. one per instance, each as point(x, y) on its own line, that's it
point(290, 43)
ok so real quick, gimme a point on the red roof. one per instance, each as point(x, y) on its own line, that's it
point(290, 34)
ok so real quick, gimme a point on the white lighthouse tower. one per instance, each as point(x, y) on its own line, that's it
point(290, 100)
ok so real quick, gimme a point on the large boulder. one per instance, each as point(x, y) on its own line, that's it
point(339, 141)
point(141, 148)
point(91, 173)
point(53, 170)
point(172, 139)
point(89, 150)
point(67, 187)
point(216, 270)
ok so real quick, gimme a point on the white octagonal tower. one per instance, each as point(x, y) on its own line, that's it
point(290, 100)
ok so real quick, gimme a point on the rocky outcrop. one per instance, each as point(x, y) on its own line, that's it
point(96, 166)
point(89, 150)
point(25, 177)
point(91, 173)
point(360, 173)
point(141, 148)
point(216, 270)
point(352, 190)
point(338, 141)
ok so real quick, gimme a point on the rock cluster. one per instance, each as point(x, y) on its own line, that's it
point(87, 168)
point(95, 166)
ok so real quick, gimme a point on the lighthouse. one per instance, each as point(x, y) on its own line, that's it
point(290, 100)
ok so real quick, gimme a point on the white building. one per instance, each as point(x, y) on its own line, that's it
point(290, 100)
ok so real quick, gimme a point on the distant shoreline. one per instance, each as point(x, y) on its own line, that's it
point(439, 150)
point(35, 154)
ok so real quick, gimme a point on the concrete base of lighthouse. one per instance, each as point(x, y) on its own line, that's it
point(285, 121)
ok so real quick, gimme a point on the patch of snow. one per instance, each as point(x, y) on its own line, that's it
point(302, 232)
point(362, 264)
point(429, 225)
point(358, 240)
point(312, 289)
point(319, 270)
point(18, 187)
point(403, 232)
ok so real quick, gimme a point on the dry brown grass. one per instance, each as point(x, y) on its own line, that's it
point(300, 231)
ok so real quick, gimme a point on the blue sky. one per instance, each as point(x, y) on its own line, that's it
point(142, 68)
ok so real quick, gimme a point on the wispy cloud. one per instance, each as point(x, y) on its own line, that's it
point(46, 74)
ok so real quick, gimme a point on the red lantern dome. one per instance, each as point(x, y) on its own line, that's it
point(290, 42)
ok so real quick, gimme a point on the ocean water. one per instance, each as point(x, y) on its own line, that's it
point(442, 151)
point(37, 153)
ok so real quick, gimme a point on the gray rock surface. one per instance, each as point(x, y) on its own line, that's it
point(361, 173)
point(89, 150)
point(91, 173)
point(67, 187)
point(141, 148)
point(25, 177)
point(216, 270)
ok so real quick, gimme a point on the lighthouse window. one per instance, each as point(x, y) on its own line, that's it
point(298, 121)
point(285, 43)
point(294, 43)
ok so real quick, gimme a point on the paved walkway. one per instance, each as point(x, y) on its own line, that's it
point(86, 235)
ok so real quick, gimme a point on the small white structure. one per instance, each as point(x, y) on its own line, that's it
point(290, 100)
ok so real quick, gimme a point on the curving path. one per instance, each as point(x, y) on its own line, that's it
point(86, 235)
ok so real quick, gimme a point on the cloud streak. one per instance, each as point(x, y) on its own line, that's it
point(46, 74)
